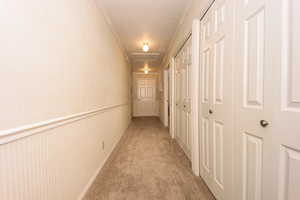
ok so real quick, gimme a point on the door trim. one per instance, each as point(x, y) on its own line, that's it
point(166, 97)
point(172, 100)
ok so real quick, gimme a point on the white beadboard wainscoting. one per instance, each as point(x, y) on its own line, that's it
point(59, 158)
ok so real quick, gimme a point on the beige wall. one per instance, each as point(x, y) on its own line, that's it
point(60, 65)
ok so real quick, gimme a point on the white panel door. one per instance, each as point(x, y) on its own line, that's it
point(185, 92)
point(268, 100)
point(184, 126)
point(178, 104)
point(145, 103)
point(187, 96)
point(216, 99)
point(182, 85)
point(180, 93)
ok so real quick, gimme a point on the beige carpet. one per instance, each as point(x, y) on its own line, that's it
point(147, 165)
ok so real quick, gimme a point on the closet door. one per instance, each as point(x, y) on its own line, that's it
point(185, 91)
point(216, 116)
point(183, 88)
point(181, 131)
point(268, 100)
point(183, 63)
point(177, 98)
point(188, 63)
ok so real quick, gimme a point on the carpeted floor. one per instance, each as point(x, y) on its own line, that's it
point(147, 165)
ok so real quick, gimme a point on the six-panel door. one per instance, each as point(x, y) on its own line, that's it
point(145, 101)
point(216, 118)
point(268, 100)
point(182, 93)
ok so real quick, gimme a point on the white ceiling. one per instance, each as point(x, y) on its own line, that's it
point(136, 21)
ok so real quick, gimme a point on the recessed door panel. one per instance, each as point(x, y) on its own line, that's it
point(252, 171)
point(289, 174)
point(219, 17)
point(254, 59)
point(291, 59)
point(205, 144)
point(205, 76)
point(218, 141)
point(219, 71)
point(149, 92)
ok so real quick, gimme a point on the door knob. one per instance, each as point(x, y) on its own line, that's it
point(264, 123)
point(211, 111)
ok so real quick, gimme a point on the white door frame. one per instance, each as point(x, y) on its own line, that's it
point(166, 97)
point(172, 100)
point(195, 92)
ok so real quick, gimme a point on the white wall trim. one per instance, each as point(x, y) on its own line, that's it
point(195, 73)
point(9, 135)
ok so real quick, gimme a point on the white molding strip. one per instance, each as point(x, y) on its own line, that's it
point(172, 101)
point(195, 96)
point(9, 135)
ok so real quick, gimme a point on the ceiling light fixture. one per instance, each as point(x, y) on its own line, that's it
point(146, 69)
point(146, 47)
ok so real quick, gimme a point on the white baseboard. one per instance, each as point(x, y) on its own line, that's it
point(92, 179)
point(184, 148)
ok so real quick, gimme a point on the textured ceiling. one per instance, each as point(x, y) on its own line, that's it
point(136, 21)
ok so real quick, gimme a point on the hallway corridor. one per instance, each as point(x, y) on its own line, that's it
point(147, 165)
point(150, 100)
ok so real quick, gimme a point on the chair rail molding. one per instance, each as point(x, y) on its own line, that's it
point(9, 135)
